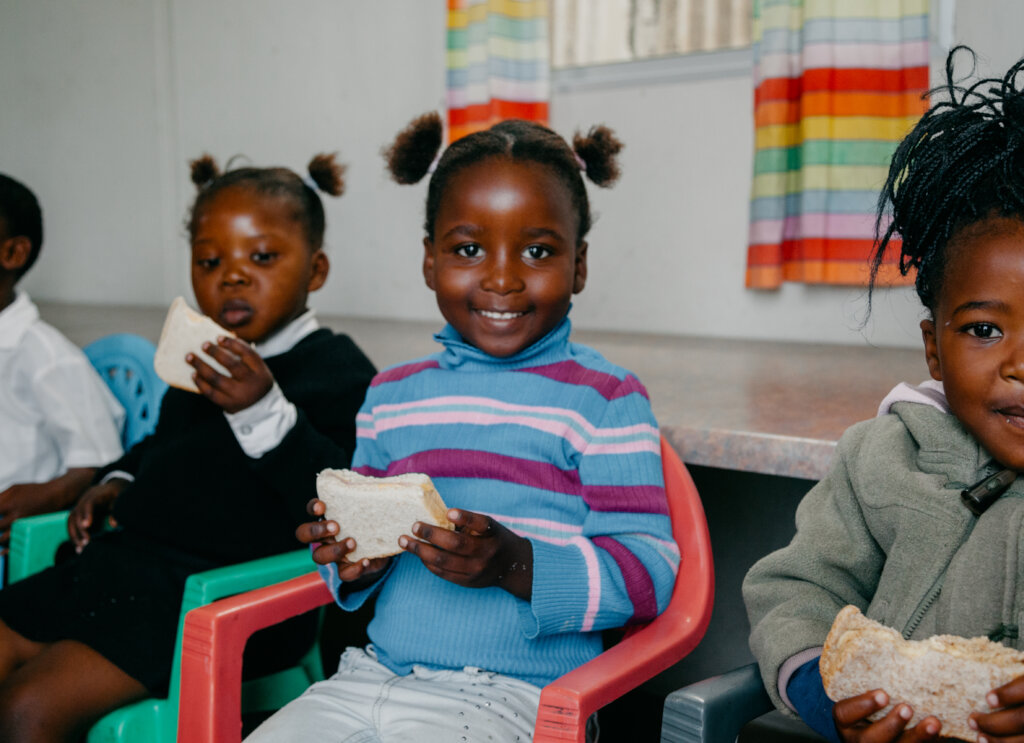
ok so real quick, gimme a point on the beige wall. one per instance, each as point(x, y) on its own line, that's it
point(105, 100)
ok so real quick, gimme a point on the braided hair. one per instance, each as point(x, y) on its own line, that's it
point(283, 183)
point(962, 163)
point(411, 155)
point(21, 215)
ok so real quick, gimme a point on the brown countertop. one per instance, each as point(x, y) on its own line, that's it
point(757, 406)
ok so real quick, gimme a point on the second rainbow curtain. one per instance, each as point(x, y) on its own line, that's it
point(838, 83)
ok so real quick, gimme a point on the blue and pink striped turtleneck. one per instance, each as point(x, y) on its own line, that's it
point(560, 446)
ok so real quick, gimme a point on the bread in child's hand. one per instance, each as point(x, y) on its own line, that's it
point(944, 676)
point(185, 331)
point(376, 511)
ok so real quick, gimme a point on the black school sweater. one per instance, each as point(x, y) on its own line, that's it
point(195, 490)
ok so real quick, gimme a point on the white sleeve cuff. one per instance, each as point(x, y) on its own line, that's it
point(117, 475)
point(263, 425)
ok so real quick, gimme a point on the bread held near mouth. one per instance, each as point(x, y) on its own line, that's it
point(185, 331)
point(376, 511)
point(944, 676)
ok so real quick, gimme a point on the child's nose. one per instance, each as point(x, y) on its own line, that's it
point(1013, 364)
point(503, 277)
point(236, 273)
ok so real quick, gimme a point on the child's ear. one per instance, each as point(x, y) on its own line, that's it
point(580, 277)
point(931, 349)
point(321, 267)
point(14, 253)
point(428, 262)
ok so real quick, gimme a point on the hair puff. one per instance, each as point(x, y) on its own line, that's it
point(327, 173)
point(409, 157)
point(204, 169)
point(598, 150)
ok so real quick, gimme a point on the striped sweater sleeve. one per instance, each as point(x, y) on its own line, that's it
point(621, 568)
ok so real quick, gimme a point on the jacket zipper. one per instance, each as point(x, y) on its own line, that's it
point(933, 593)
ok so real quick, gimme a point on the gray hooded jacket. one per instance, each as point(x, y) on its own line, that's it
point(885, 530)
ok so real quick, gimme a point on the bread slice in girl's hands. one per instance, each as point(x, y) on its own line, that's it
point(376, 511)
point(944, 676)
point(185, 331)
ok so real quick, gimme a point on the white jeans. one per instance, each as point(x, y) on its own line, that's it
point(365, 702)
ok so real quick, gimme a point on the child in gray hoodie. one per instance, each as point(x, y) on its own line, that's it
point(887, 529)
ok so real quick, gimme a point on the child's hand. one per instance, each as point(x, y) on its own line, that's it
point(329, 550)
point(851, 715)
point(1008, 719)
point(250, 378)
point(94, 504)
point(479, 553)
point(28, 499)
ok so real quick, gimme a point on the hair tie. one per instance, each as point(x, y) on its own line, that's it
point(308, 181)
point(580, 161)
point(433, 164)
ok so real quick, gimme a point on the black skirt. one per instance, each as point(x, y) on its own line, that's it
point(121, 597)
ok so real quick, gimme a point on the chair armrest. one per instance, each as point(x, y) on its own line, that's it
point(211, 657)
point(567, 702)
point(714, 710)
point(34, 540)
point(211, 585)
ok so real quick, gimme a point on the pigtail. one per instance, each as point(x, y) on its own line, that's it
point(327, 173)
point(411, 154)
point(203, 170)
point(597, 150)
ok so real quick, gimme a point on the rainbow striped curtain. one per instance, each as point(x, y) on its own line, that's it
point(497, 63)
point(838, 83)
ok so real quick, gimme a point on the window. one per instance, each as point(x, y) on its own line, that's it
point(600, 32)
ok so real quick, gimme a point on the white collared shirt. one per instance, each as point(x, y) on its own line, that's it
point(264, 424)
point(55, 411)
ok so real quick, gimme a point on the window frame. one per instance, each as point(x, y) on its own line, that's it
point(721, 63)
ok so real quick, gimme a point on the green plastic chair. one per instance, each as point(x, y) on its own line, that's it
point(34, 541)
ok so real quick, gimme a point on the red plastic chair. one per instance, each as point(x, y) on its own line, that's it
point(215, 635)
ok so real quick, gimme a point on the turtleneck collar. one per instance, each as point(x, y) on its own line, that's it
point(458, 354)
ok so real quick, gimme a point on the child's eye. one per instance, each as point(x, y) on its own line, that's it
point(538, 251)
point(984, 330)
point(263, 257)
point(470, 250)
point(208, 263)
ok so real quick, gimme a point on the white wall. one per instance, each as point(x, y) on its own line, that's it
point(106, 100)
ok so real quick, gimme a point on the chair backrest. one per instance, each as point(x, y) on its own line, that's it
point(125, 361)
point(215, 636)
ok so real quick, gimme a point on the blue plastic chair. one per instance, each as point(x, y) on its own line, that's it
point(125, 361)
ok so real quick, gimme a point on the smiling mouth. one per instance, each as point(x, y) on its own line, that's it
point(491, 315)
point(1014, 415)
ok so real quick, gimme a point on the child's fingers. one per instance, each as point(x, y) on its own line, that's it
point(317, 531)
point(331, 552)
point(230, 361)
point(205, 372)
point(1004, 722)
point(462, 543)
point(316, 507)
point(440, 562)
point(239, 348)
point(852, 710)
point(475, 523)
point(1007, 695)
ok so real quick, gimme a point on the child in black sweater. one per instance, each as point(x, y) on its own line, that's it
point(224, 477)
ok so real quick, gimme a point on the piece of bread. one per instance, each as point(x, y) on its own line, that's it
point(185, 331)
point(944, 676)
point(376, 511)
